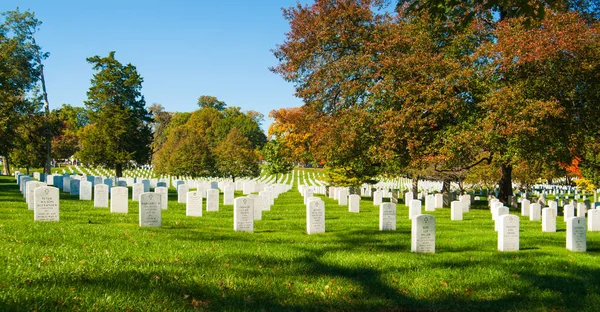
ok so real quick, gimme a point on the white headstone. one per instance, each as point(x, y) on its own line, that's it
point(423, 234)
point(377, 198)
point(243, 214)
point(138, 189)
point(212, 199)
point(307, 193)
point(119, 199)
point(414, 208)
point(594, 220)
point(576, 234)
point(315, 216)
point(85, 190)
point(258, 205)
point(46, 204)
point(182, 190)
point(164, 196)
point(343, 196)
point(430, 203)
point(387, 217)
point(500, 212)
point(101, 195)
point(228, 195)
point(30, 187)
point(150, 212)
point(535, 212)
point(439, 201)
point(548, 220)
point(508, 233)
point(581, 210)
point(456, 210)
point(568, 212)
point(354, 203)
point(193, 204)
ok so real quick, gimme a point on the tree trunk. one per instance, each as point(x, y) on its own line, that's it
point(6, 169)
point(505, 184)
point(119, 170)
point(445, 186)
point(233, 178)
point(27, 169)
point(276, 177)
point(415, 186)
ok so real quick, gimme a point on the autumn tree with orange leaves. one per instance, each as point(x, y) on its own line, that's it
point(439, 93)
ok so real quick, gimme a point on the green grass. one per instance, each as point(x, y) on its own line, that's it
point(95, 260)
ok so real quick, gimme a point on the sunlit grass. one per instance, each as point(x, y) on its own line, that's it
point(95, 260)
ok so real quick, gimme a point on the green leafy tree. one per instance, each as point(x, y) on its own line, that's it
point(69, 120)
point(185, 153)
point(18, 76)
point(24, 25)
point(119, 132)
point(236, 157)
point(248, 123)
point(277, 158)
point(206, 101)
point(160, 124)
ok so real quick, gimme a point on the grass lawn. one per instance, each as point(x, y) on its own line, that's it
point(95, 260)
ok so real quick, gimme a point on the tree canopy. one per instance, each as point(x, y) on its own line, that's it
point(119, 130)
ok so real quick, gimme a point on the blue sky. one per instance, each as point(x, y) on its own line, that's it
point(183, 49)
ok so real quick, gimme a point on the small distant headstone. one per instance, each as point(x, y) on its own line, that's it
point(161, 184)
point(122, 183)
point(182, 190)
point(548, 220)
point(408, 196)
point(66, 184)
point(466, 202)
point(581, 210)
point(228, 195)
point(193, 205)
point(456, 211)
point(594, 220)
point(423, 234)
point(150, 211)
point(30, 190)
point(57, 181)
point(576, 234)
point(430, 203)
point(146, 184)
point(387, 217)
point(354, 203)
point(343, 196)
point(414, 208)
point(164, 196)
point(85, 190)
point(108, 182)
point(568, 212)
point(377, 198)
point(508, 233)
point(243, 214)
point(212, 200)
point(214, 185)
point(315, 216)
point(138, 189)
point(119, 199)
point(101, 195)
point(307, 193)
point(46, 204)
point(439, 201)
point(97, 180)
point(500, 212)
point(535, 212)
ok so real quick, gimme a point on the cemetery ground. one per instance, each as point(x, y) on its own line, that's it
point(94, 260)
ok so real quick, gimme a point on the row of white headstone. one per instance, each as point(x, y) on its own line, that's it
point(508, 225)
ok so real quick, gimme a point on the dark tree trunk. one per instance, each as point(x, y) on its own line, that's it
point(233, 178)
point(6, 169)
point(505, 184)
point(276, 177)
point(119, 170)
point(415, 186)
point(27, 169)
point(445, 186)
